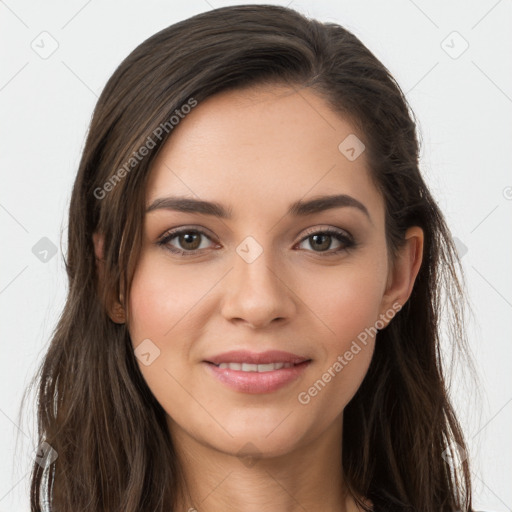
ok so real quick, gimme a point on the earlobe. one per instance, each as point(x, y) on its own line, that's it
point(117, 313)
point(405, 270)
point(116, 310)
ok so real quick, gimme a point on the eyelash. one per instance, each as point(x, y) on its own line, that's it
point(348, 241)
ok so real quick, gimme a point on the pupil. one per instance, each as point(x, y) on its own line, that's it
point(324, 245)
point(189, 239)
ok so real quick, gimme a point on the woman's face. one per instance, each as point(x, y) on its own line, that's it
point(258, 279)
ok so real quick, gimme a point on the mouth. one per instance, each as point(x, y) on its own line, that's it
point(256, 378)
point(259, 368)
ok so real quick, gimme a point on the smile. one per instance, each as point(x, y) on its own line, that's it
point(248, 367)
point(256, 378)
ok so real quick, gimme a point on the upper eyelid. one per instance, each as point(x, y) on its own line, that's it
point(176, 231)
point(313, 230)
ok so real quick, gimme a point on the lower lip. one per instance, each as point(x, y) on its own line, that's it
point(257, 382)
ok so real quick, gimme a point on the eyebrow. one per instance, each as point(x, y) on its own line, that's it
point(296, 209)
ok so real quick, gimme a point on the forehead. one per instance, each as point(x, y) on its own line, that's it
point(261, 148)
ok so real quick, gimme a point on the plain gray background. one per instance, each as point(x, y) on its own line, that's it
point(453, 61)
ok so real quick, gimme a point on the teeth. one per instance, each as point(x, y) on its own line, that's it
point(246, 367)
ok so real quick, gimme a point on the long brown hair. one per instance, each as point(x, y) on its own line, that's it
point(114, 451)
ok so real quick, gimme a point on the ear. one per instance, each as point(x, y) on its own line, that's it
point(116, 310)
point(402, 274)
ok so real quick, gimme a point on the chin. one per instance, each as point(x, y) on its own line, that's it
point(257, 441)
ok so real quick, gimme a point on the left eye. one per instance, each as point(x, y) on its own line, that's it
point(322, 240)
point(189, 241)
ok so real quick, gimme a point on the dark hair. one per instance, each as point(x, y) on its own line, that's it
point(94, 407)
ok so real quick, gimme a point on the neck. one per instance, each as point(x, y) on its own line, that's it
point(252, 480)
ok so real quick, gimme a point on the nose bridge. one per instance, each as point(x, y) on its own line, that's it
point(256, 293)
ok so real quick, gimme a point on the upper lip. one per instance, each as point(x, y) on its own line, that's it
point(245, 356)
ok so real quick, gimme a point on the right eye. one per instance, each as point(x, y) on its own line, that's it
point(188, 239)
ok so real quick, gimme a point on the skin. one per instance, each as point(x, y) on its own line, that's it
point(256, 151)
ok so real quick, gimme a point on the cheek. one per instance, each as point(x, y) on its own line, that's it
point(161, 298)
point(162, 317)
point(167, 307)
point(348, 301)
point(348, 305)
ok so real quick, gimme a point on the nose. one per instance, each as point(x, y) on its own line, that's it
point(257, 293)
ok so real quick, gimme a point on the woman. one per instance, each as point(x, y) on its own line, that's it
point(255, 274)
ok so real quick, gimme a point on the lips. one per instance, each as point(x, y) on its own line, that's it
point(259, 380)
point(248, 367)
point(254, 358)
